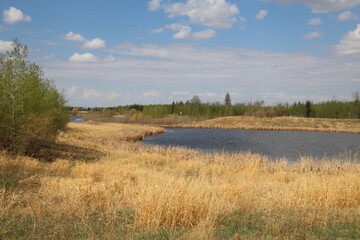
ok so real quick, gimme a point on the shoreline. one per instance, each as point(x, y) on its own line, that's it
point(261, 128)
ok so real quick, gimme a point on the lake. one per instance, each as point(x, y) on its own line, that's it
point(275, 144)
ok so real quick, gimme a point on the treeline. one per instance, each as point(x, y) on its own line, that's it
point(195, 108)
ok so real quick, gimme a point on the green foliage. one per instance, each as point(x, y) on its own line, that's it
point(31, 108)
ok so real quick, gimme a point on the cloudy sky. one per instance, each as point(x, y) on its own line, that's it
point(107, 53)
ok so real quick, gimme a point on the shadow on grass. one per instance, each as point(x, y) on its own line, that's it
point(47, 151)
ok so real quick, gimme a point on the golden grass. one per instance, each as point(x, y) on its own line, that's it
point(280, 123)
point(142, 189)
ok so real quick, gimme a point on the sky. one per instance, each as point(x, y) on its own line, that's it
point(110, 53)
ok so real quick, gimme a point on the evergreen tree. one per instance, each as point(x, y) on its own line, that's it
point(308, 109)
point(227, 100)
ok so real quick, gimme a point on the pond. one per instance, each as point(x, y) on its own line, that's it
point(275, 144)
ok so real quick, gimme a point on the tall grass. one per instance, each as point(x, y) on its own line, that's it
point(137, 192)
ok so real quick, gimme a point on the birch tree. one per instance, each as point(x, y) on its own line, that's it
point(31, 108)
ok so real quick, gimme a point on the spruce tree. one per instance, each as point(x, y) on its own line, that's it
point(227, 100)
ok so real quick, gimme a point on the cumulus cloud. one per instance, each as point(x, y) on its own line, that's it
point(154, 5)
point(325, 6)
point(71, 91)
point(185, 32)
point(14, 15)
point(312, 35)
point(207, 33)
point(95, 43)
point(315, 21)
point(261, 14)
point(346, 16)
point(71, 36)
point(83, 58)
point(350, 43)
point(5, 46)
point(88, 44)
point(211, 13)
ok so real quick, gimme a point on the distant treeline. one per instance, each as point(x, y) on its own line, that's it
point(195, 108)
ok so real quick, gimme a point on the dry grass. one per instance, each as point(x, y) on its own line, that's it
point(280, 123)
point(136, 192)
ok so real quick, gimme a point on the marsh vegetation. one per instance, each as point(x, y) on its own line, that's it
point(101, 183)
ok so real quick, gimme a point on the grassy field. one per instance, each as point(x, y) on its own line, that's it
point(99, 182)
point(279, 123)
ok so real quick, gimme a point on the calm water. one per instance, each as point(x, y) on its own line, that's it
point(275, 144)
point(76, 119)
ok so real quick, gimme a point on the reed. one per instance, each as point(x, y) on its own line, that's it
point(137, 192)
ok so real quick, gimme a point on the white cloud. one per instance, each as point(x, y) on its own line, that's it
point(180, 93)
point(350, 43)
point(325, 6)
point(71, 91)
point(243, 21)
point(154, 5)
point(207, 33)
point(92, 94)
point(83, 58)
point(151, 93)
point(88, 44)
point(50, 56)
point(174, 26)
point(315, 21)
point(14, 15)
point(95, 43)
point(109, 59)
point(111, 95)
point(5, 46)
point(346, 16)
point(312, 35)
point(185, 32)
point(157, 30)
point(261, 14)
point(74, 37)
point(172, 68)
point(211, 13)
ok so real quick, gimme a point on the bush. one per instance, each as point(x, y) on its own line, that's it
point(31, 108)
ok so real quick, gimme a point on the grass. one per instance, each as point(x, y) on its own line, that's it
point(280, 123)
point(120, 189)
point(239, 122)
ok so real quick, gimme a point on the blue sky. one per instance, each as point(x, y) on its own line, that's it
point(108, 53)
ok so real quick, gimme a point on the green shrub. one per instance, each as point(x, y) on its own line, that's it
point(31, 108)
